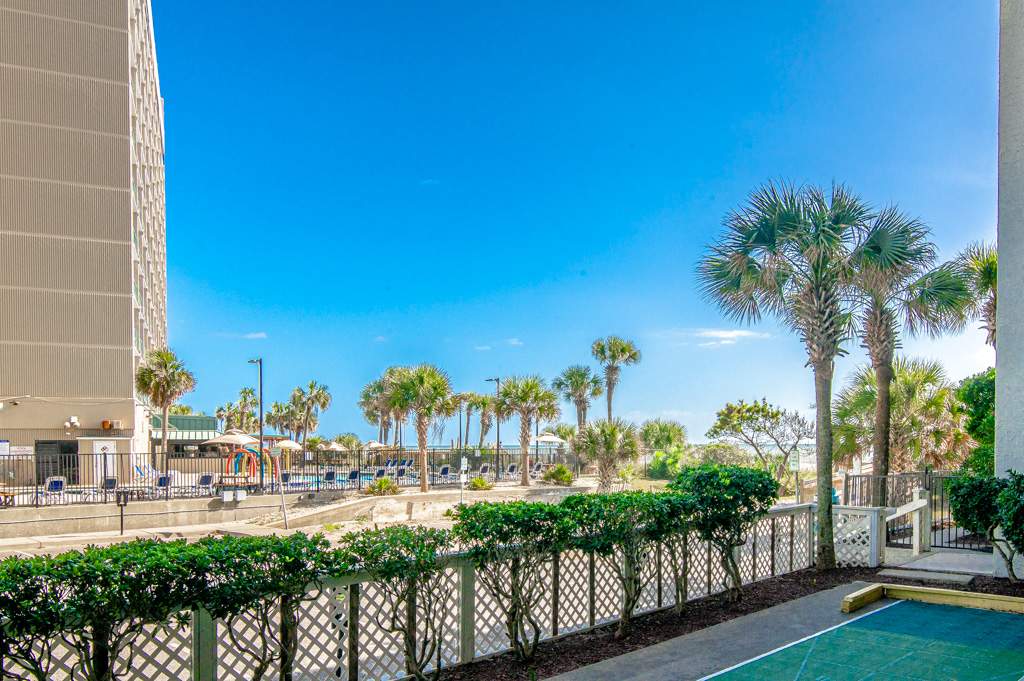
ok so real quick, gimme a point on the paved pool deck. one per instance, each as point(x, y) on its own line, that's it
point(721, 646)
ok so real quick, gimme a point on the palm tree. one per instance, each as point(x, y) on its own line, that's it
point(162, 378)
point(373, 403)
point(314, 399)
point(181, 410)
point(614, 353)
point(896, 284)
point(484, 405)
point(468, 402)
point(928, 427)
point(787, 253)
point(662, 434)
point(349, 441)
point(277, 417)
point(578, 385)
point(609, 444)
point(978, 264)
point(426, 391)
point(529, 398)
point(221, 414)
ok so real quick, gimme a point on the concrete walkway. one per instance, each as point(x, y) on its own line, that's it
point(960, 562)
point(707, 651)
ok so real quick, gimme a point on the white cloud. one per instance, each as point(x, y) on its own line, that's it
point(481, 348)
point(380, 339)
point(729, 334)
point(514, 342)
point(251, 335)
point(709, 338)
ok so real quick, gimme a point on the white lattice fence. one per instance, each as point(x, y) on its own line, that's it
point(857, 535)
point(339, 627)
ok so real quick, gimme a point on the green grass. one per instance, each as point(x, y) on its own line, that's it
point(908, 641)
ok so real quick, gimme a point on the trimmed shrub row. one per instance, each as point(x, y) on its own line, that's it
point(100, 599)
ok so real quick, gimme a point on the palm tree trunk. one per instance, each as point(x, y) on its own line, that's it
point(608, 394)
point(465, 440)
point(826, 551)
point(524, 447)
point(422, 423)
point(581, 416)
point(163, 436)
point(880, 438)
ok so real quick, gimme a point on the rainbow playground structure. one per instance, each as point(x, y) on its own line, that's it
point(252, 463)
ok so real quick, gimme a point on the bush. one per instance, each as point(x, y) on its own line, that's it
point(974, 503)
point(479, 484)
point(511, 543)
point(1011, 512)
point(723, 503)
point(665, 464)
point(258, 577)
point(407, 564)
point(33, 615)
point(382, 487)
point(620, 529)
point(558, 475)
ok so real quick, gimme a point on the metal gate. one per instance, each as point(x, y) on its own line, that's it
point(898, 489)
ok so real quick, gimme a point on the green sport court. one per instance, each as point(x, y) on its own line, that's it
point(901, 641)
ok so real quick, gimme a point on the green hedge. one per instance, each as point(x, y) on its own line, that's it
point(100, 599)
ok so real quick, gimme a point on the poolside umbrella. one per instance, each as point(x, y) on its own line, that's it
point(288, 444)
point(336, 447)
point(373, 444)
point(237, 438)
point(548, 438)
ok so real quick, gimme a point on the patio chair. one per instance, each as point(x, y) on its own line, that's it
point(536, 470)
point(330, 480)
point(353, 479)
point(162, 486)
point(444, 475)
point(380, 473)
point(107, 486)
point(204, 485)
point(511, 472)
point(53, 488)
point(485, 470)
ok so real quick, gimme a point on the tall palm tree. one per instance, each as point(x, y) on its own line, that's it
point(426, 391)
point(394, 399)
point(468, 402)
point(222, 413)
point(614, 353)
point(314, 399)
point(928, 427)
point(787, 253)
point(897, 285)
point(608, 444)
point(529, 398)
point(484, 405)
point(277, 417)
point(373, 404)
point(579, 385)
point(163, 379)
point(978, 264)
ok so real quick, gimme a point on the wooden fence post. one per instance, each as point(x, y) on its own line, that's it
point(353, 632)
point(467, 612)
point(204, 646)
point(592, 580)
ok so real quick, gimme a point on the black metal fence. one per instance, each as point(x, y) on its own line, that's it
point(897, 489)
point(55, 478)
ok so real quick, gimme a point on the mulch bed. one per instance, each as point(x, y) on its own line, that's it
point(578, 650)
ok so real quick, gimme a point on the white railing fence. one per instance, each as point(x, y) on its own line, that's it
point(339, 636)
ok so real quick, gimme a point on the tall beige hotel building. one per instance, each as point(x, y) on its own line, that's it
point(83, 277)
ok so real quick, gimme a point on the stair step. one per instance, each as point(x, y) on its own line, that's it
point(928, 576)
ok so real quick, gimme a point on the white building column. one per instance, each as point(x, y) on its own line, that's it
point(1010, 308)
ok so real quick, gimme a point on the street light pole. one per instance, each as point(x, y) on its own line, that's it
point(259, 366)
point(497, 423)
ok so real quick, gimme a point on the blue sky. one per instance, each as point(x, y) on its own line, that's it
point(490, 186)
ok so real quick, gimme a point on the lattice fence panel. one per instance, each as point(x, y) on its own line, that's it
point(232, 660)
point(323, 637)
point(381, 655)
point(573, 592)
point(489, 621)
point(718, 578)
point(668, 588)
point(803, 553)
point(699, 568)
point(607, 590)
point(448, 608)
point(852, 539)
point(160, 654)
point(649, 576)
point(745, 556)
point(763, 565)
